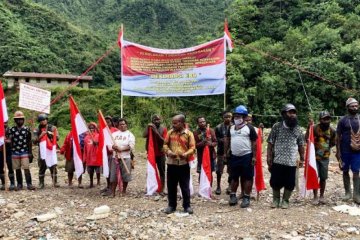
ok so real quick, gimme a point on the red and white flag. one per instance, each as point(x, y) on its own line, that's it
point(311, 180)
point(3, 115)
point(153, 183)
point(121, 37)
point(105, 143)
point(48, 149)
point(259, 175)
point(78, 127)
point(227, 36)
point(205, 173)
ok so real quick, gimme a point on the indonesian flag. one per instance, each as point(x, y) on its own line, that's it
point(153, 183)
point(205, 174)
point(105, 142)
point(311, 180)
point(3, 115)
point(78, 127)
point(48, 149)
point(121, 37)
point(259, 175)
point(227, 36)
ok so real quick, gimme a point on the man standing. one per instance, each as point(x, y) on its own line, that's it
point(241, 140)
point(202, 140)
point(348, 148)
point(21, 149)
point(179, 146)
point(67, 150)
point(324, 140)
point(124, 143)
point(159, 134)
point(8, 162)
point(284, 141)
point(45, 129)
point(221, 131)
point(93, 165)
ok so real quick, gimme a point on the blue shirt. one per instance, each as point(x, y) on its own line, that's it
point(344, 131)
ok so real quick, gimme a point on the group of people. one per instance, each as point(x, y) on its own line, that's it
point(232, 143)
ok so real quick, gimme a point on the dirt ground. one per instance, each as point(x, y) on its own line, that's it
point(136, 216)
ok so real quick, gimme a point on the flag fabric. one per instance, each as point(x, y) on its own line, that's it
point(227, 36)
point(259, 175)
point(78, 127)
point(205, 173)
point(153, 183)
point(311, 180)
point(120, 37)
point(105, 143)
point(47, 149)
point(3, 115)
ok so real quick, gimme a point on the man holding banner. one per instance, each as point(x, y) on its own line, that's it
point(179, 146)
point(159, 134)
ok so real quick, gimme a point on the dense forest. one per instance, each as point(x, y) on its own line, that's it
point(277, 44)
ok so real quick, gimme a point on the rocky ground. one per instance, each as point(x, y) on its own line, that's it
point(136, 216)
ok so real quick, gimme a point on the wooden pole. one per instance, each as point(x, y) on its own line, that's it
point(5, 167)
point(121, 88)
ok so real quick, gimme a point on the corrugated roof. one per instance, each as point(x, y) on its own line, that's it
point(46, 75)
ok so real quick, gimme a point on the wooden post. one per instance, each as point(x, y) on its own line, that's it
point(5, 166)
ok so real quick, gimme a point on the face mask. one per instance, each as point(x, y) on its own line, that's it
point(238, 121)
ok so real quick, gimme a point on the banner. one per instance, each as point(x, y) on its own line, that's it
point(153, 72)
point(34, 98)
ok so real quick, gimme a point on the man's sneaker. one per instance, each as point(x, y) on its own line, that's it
point(19, 187)
point(169, 210)
point(245, 202)
point(233, 199)
point(30, 187)
point(189, 210)
point(218, 191)
point(41, 185)
point(275, 203)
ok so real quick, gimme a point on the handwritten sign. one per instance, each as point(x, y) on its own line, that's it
point(34, 98)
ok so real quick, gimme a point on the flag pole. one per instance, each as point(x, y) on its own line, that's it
point(113, 142)
point(5, 166)
point(121, 87)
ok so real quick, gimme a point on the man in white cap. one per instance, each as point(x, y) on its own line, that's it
point(348, 148)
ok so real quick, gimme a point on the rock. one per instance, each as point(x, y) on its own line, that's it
point(58, 210)
point(294, 233)
point(45, 217)
point(11, 205)
point(123, 216)
point(157, 198)
point(351, 230)
point(181, 215)
point(100, 213)
point(19, 214)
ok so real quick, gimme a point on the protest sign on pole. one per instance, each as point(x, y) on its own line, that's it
point(34, 98)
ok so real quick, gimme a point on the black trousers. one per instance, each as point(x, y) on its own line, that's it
point(9, 165)
point(42, 169)
point(282, 177)
point(178, 174)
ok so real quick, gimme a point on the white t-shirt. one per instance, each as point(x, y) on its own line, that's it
point(124, 139)
point(240, 140)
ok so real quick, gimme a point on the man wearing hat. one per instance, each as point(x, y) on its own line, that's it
point(348, 148)
point(284, 142)
point(21, 150)
point(324, 140)
point(45, 129)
